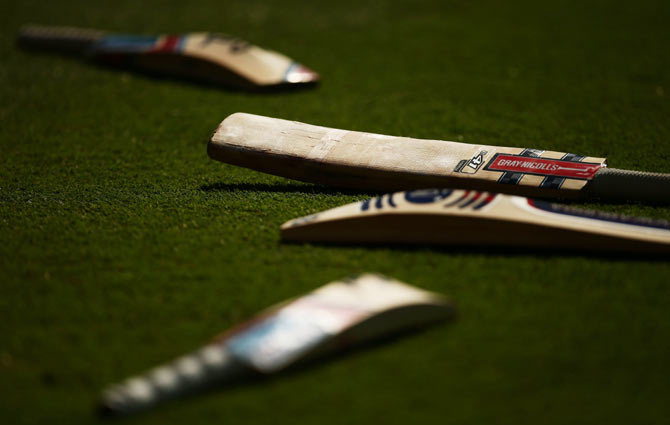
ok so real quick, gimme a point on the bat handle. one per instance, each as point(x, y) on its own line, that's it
point(187, 375)
point(614, 184)
point(76, 41)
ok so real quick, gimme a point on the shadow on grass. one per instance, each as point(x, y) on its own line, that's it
point(277, 89)
point(285, 188)
point(334, 190)
point(542, 253)
point(235, 84)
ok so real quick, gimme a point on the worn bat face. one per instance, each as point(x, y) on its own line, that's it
point(362, 160)
point(374, 161)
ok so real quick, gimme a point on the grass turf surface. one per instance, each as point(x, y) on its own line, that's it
point(123, 245)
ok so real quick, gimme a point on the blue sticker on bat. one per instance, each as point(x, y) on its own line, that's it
point(427, 196)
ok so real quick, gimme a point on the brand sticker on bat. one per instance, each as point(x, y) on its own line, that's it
point(427, 196)
point(543, 166)
point(471, 166)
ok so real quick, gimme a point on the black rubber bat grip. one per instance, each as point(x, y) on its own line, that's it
point(185, 376)
point(627, 185)
point(75, 41)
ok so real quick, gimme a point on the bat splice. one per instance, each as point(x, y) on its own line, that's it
point(203, 57)
point(372, 161)
point(472, 218)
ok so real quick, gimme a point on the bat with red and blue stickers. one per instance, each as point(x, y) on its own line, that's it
point(202, 57)
point(480, 219)
point(333, 317)
point(372, 161)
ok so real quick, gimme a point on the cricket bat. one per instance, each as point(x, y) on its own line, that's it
point(204, 57)
point(372, 161)
point(472, 218)
point(330, 318)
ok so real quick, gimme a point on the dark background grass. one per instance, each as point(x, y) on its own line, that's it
point(123, 245)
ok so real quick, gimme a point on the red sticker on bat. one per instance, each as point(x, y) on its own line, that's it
point(543, 166)
point(168, 45)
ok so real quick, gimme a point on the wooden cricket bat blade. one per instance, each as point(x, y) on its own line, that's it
point(203, 57)
point(472, 218)
point(372, 161)
point(338, 315)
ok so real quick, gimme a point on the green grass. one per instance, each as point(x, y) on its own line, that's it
point(123, 245)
